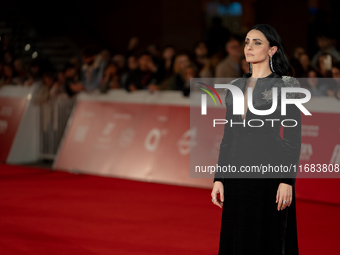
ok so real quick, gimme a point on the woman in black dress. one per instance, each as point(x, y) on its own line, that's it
point(259, 215)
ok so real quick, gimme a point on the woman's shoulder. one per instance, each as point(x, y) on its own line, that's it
point(290, 81)
point(235, 82)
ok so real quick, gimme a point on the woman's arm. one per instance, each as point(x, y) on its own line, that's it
point(225, 145)
point(292, 142)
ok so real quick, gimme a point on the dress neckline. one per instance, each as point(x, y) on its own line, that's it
point(272, 75)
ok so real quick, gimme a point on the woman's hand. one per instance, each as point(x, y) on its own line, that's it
point(284, 192)
point(218, 188)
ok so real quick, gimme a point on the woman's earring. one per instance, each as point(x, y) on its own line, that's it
point(271, 63)
point(250, 68)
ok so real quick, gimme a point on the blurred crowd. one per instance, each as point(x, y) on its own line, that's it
point(165, 69)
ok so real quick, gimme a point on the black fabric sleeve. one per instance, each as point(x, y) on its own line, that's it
point(291, 145)
point(225, 146)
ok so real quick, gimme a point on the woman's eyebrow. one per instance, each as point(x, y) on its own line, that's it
point(255, 39)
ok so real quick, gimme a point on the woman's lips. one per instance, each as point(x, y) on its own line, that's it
point(249, 55)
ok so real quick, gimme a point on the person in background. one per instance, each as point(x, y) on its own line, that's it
point(326, 46)
point(324, 68)
point(111, 79)
point(73, 87)
point(190, 71)
point(132, 46)
point(70, 71)
point(167, 63)
point(44, 91)
point(34, 73)
point(19, 70)
point(336, 77)
point(230, 66)
point(120, 60)
point(201, 55)
point(209, 69)
point(313, 84)
point(77, 63)
point(295, 63)
point(143, 77)
point(59, 85)
point(305, 64)
point(105, 55)
point(176, 81)
point(7, 78)
point(92, 69)
point(155, 52)
point(132, 64)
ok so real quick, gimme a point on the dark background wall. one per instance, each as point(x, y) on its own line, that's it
point(110, 24)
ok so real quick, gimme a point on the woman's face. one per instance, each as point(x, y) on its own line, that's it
point(257, 48)
point(304, 61)
point(336, 73)
point(168, 53)
point(312, 81)
point(322, 63)
point(183, 61)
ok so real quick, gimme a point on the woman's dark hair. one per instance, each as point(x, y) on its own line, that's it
point(280, 62)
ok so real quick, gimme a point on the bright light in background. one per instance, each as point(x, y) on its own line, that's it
point(27, 47)
point(217, 8)
point(34, 54)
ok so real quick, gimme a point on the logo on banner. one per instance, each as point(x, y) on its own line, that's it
point(3, 126)
point(80, 134)
point(306, 151)
point(6, 111)
point(309, 130)
point(153, 138)
point(336, 155)
point(184, 142)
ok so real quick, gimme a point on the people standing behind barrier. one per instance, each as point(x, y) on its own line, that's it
point(201, 55)
point(155, 52)
point(111, 79)
point(45, 91)
point(58, 86)
point(326, 45)
point(69, 72)
point(230, 66)
point(132, 64)
point(146, 76)
point(314, 84)
point(19, 70)
point(305, 64)
point(92, 70)
point(176, 81)
point(209, 69)
point(8, 76)
point(295, 62)
point(190, 71)
point(73, 87)
point(336, 78)
point(34, 73)
point(167, 62)
point(324, 65)
point(132, 47)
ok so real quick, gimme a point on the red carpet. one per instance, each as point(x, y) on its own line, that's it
point(45, 212)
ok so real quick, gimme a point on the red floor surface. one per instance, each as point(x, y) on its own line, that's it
point(53, 212)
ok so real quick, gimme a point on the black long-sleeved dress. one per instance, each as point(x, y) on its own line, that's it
point(251, 223)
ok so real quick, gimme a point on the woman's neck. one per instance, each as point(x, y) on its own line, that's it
point(260, 70)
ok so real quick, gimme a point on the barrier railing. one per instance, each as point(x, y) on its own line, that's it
point(54, 115)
